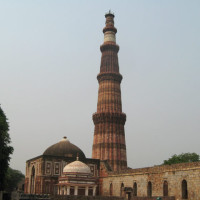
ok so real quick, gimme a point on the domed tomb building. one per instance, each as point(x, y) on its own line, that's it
point(77, 179)
point(42, 172)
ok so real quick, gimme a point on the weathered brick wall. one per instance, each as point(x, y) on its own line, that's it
point(174, 175)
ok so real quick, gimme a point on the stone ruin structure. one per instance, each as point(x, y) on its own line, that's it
point(110, 177)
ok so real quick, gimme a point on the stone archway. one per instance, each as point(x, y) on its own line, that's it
point(184, 190)
point(165, 188)
point(111, 189)
point(32, 185)
point(122, 190)
point(149, 189)
point(135, 189)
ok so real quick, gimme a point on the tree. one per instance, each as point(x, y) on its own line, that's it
point(5, 149)
point(13, 177)
point(182, 158)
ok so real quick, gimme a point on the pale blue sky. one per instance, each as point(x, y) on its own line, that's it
point(49, 59)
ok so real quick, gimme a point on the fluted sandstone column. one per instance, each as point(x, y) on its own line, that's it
point(109, 137)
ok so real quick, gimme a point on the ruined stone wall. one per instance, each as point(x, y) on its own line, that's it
point(66, 197)
point(71, 197)
point(172, 174)
point(152, 198)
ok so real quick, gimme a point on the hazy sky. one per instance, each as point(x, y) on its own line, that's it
point(50, 57)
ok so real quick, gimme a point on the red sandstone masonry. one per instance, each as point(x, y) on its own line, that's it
point(109, 137)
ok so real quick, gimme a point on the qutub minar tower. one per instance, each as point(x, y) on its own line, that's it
point(109, 137)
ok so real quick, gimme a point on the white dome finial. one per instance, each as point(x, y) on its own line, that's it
point(77, 157)
point(64, 139)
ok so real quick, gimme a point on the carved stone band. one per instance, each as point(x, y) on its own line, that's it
point(109, 76)
point(109, 117)
point(109, 46)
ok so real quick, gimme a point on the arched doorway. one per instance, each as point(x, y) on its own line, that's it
point(111, 189)
point(149, 189)
point(90, 191)
point(71, 190)
point(81, 191)
point(48, 187)
point(135, 189)
point(32, 186)
point(122, 190)
point(184, 190)
point(165, 188)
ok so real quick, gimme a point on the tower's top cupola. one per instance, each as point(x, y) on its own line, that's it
point(109, 30)
point(109, 13)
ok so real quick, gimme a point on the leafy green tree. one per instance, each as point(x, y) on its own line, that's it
point(5, 149)
point(182, 158)
point(13, 177)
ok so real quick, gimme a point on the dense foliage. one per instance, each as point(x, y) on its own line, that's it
point(5, 149)
point(13, 177)
point(182, 158)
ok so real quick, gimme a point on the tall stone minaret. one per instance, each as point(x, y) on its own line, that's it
point(109, 137)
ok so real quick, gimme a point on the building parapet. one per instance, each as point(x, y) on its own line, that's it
point(159, 169)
